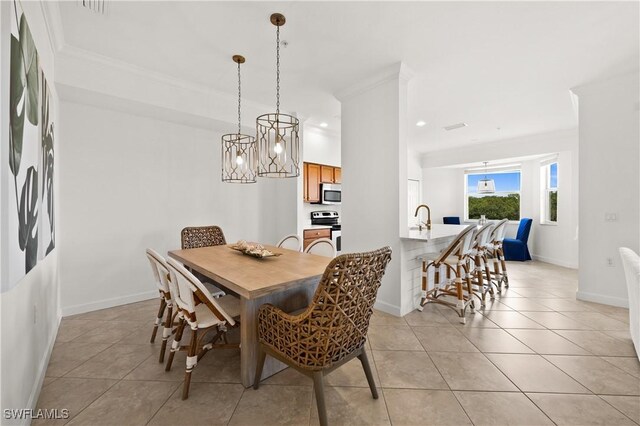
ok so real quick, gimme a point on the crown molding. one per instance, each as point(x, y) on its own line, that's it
point(561, 138)
point(126, 67)
point(119, 104)
point(53, 21)
point(398, 71)
point(61, 48)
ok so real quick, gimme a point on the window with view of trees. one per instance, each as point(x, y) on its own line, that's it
point(550, 195)
point(503, 203)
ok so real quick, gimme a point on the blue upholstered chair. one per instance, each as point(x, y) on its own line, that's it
point(516, 249)
point(451, 220)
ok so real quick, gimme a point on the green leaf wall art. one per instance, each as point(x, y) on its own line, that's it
point(29, 206)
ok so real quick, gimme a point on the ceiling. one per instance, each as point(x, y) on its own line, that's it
point(504, 68)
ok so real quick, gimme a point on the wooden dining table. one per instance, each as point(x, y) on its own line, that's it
point(287, 281)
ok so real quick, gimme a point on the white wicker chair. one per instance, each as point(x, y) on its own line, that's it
point(161, 276)
point(201, 312)
point(322, 247)
point(454, 261)
point(496, 254)
point(631, 263)
point(291, 242)
point(480, 270)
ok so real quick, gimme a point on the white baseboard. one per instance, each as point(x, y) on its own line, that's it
point(388, 308)
point(554, 261)
point(108, 303)
point(602, 298)
point(42, 371)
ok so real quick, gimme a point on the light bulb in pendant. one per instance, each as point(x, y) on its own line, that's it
point(278, 148)
point(239, 160)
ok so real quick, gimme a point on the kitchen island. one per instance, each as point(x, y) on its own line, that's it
point(415, 244)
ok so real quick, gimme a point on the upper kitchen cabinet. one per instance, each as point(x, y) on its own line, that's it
point(326, 173)
point(316, 174)
point(337, 175)
point(312, 182)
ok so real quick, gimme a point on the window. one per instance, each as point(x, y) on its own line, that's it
point(503, 203)
point(413, 195)
point(549, 175)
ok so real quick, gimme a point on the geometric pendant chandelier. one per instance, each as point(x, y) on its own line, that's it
point(278, 134)
point(239, 157)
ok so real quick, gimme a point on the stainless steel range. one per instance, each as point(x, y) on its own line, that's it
point(331, 218)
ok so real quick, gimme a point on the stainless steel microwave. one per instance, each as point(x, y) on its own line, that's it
point(330, 194)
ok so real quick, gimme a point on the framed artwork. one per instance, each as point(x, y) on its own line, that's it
point(28, 206)
point(46, 229)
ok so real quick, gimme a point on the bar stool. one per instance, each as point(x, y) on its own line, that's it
point(454, 260)
point(496, 255)
point(481, 272)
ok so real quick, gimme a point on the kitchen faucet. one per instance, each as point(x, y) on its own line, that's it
point(428, 217)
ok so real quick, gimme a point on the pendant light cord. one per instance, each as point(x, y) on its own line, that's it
point(239, 101)
point(278, 70)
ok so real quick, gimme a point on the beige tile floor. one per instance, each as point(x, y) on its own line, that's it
point(535, 356)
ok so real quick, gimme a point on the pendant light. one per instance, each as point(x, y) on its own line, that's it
point(239, 155)
point(486, 186)
point(277, 133)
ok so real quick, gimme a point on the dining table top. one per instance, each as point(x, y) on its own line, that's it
point(251, 277)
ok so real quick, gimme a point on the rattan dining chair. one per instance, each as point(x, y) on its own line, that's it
point(291, 242)
point(203, 236)
point(455, 262)
point(201, 313)
point(161, 277)
point(321, 247)
point(333, 328)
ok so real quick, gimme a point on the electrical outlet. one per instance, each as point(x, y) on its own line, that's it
point(611, 217)
point(610, 262)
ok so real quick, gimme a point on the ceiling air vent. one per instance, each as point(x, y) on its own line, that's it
point(455, 126)
point(96, 6)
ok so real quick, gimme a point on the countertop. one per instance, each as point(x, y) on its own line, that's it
point(317, 227)
point(438, 233)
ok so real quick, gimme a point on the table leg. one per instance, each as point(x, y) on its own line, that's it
point(288, 300)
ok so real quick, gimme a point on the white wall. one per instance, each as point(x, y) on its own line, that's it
point(321, 146)
point(129, 182)
point(373, 177)
point(443, 188)
point(30, 311)
point(609, 183)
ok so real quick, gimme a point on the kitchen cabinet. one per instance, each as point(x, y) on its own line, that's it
point(316, 174)
point(337, 175)
point(310, 235)
point(326, 174)
point(312, 182)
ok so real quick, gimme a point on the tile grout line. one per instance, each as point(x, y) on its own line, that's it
point(94, 400)
point(440, 373)
point(165, 401)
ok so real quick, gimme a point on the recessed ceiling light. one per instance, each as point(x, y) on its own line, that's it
point(455, 126)
point(421, 123)
point(323, 124)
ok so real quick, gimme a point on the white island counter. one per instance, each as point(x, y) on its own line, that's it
point(437, 234)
